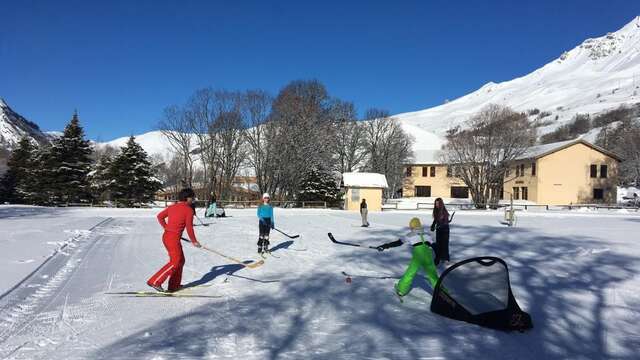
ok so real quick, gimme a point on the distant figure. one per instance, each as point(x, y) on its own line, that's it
point(180, 216)
point(211, 209)
point(441, 226)
point(364, 212)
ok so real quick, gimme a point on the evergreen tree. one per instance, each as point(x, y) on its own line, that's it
point(131, 177)
point(69, 165)
point(37, 187)
point(20, 162)
point(319, 184)
point(100, 178)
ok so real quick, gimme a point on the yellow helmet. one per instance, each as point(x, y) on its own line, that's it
point(415, 223)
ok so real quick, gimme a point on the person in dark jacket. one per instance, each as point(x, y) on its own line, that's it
point(440, 225)
point(364, 212)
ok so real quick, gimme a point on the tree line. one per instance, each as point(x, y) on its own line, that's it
point(288, 142)
point(70, 171)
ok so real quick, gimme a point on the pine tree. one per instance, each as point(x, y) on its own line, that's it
point(131, 176)
point(319, 185)
point(13, 182)
point(69, 165)
point(99, 178)
point(37, 187)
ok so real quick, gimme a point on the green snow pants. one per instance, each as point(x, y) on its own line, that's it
point(422, 257)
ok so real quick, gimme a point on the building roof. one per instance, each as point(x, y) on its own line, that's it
point(358, 179)
point(538, 151)
point(426, 157)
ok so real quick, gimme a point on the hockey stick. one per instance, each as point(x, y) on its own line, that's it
point(201, 223)
point(348, 243)
point(368, 276)
point(451, 218)
point(289, 236)
point(253, 264)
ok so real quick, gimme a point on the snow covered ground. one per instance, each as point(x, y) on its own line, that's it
point(576, 273)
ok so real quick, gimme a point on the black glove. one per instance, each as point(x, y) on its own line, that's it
point(380, 248)
point(433, 227)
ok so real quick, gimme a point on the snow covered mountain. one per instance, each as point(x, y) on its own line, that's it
point(153, 142)
point(599, 74)
point(14, 126)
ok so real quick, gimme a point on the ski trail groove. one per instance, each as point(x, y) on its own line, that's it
point(24, 302)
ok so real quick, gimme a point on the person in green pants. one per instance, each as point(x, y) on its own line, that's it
point(421, 257)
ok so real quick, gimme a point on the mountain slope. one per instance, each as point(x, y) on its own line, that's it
point(599, 74)
point(14, 126)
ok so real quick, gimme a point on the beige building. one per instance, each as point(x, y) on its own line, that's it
point(427, 176)
point(562, 173)
point(358, 186)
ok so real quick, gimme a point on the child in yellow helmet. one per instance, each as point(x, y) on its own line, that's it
point(421, 257)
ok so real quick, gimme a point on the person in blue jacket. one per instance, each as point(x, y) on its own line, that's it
point(266, 223)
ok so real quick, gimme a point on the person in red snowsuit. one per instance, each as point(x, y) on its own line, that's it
point(180, 217)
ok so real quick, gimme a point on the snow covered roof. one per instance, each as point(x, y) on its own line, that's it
point(358, 179)
point(426, 157)
point(539, 151)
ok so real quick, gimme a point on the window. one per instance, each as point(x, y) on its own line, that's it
point(423, 191)
point(355, 194)
point(424, 171)
point(408, 171)
point(594, 171)
point(459, 192)
point(433, 171)
point(533, 169)
point(449, 171)
point(521, 169)
point(598, 194)
point(517, 170)
point(603, 171)
point(525, 193)
point(508, 173)
point(516, 193)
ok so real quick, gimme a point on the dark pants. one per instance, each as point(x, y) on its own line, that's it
point(442, 244)
point(265, 227)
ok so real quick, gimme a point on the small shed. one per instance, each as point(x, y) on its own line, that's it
point(358, 186)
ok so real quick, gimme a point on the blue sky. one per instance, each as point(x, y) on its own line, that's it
point(121, 62)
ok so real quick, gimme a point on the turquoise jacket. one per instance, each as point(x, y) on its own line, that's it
point(266, 212)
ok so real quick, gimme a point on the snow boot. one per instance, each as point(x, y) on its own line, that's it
point(158, 288)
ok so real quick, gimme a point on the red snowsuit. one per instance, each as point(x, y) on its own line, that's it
point(180, 216)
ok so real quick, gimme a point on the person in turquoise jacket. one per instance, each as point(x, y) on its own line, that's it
point(265, 223)
point(421, 257)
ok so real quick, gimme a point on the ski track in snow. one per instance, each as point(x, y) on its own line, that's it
point(577, 278)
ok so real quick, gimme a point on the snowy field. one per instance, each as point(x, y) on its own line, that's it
point(575, 273)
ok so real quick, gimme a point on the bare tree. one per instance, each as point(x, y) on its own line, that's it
point(484, 147)
point(176, 128)
point(387, 148)
point(349, 140)
point(301, 128)
point(623, 138)
point(203, 110)
point(229, 131)
point(260, 157)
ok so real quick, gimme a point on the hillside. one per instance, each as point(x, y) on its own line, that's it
point(599, 74)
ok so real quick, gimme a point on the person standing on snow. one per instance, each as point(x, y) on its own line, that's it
point(265, 223)
point(440, 225)
point(364, 212)
point(421, 257)
point(180, 216)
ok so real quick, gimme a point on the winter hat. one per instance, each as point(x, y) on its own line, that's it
point(266, 196)
point(415, 223)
